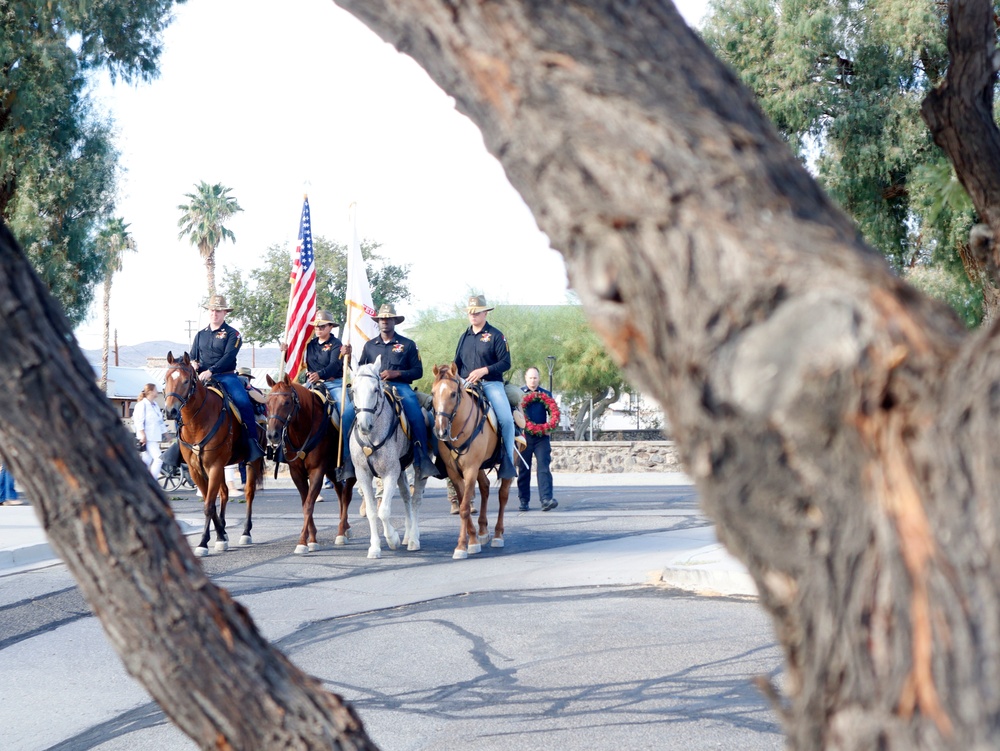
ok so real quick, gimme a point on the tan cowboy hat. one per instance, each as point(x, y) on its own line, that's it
point(218, 302)
point(325, 316)
point(245, 372)
point(388, 311)
point(477, 304)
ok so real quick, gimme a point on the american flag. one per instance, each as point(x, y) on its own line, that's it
point(302, 302)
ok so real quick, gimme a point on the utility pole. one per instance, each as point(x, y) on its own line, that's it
point(116, 348)
point(190, 329)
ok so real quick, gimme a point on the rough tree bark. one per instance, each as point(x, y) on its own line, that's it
point(192, 646)
point(840, 426)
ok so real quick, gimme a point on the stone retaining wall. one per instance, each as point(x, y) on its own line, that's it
point(613, 457)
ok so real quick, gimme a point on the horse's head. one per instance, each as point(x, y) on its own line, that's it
point(447, 395)
point(283, 405)
point(180, 384)
point(367, 392)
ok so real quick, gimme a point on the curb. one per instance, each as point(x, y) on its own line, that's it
point(709, 570)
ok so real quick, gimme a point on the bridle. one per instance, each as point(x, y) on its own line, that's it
point(192, 386)
point(450, 417)
point(313, 437)
point(380, 400)
point(196, 448)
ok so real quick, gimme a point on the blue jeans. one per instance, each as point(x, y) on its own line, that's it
point(233, 386)
point(541, 448)
point(501, 405)
point(334, 389)
point(7, 491)
point(415, 416)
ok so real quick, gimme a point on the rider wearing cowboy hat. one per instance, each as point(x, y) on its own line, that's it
point(482, 356)
point(213, 355)
point(401, 366)
point(325, 365)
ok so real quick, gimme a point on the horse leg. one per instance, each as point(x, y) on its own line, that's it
point(368, 495)
point(385, 510)
point(468, 543)
point(345, 491)
point(498, 530)
point(484, 497)
point(221, 538)
point(412, 502)
point(313, 486)
point(255, 470)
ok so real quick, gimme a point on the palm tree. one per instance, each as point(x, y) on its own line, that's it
point(112, 241)
point(201, 221)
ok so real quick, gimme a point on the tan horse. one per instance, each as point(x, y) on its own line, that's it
point(297, 424)
point(208, 441)
point(467, 442)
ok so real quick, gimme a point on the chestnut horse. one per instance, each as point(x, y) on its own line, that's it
point(209, 441)
point(297, 423)
point(467, 442)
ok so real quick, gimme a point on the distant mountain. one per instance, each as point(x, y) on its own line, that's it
point(135, 355)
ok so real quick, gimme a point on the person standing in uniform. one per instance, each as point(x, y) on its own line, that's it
point(147, 421)
point(213, 355)
point(325, 366)
point(482, 356)
point(401, 366)
point(539, 447)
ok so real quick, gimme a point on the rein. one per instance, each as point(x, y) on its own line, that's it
point(196, 448)
point(450, 441)
point(380, 399)
point(313, 437)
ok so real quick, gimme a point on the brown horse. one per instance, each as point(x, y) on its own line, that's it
point(297, 424)
point(467, 442)
point(209, 441)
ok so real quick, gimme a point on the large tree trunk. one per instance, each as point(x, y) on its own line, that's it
point(841, 427)
point(109, 521)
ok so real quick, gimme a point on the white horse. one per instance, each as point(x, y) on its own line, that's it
point(377, 445)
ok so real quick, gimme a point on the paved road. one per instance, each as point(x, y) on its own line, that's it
point(558, 640)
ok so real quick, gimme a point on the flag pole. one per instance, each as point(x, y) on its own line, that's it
point(347, 363)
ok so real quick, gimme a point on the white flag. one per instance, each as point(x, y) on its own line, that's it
point(359, 326)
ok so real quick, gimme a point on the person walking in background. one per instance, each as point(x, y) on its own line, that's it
point(8, 494)
point(542, 416)
point(147, 421)
point(482, 355)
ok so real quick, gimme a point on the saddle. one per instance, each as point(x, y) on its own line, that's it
point(477, 392)
point(332, 413)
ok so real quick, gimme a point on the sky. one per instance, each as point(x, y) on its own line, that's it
point(276, 104)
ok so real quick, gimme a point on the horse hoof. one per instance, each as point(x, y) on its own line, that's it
point(221, 547)
point(460, 555)
point(413, 545)
point(475, 548)
point(497, 542)
point(374, 553)
point(301, 549)
point(392, 542)
point(201, 552)
point(246, 540)
point(341, 540)
point(313, 547)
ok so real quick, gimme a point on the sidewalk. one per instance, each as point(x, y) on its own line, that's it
point(694, 560)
